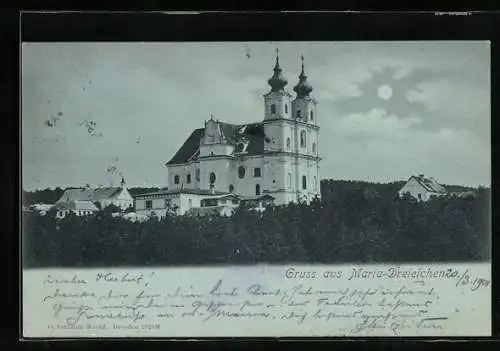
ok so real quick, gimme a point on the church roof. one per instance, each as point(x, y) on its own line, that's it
point(189, 147)
point(85, 194)
point(253, 133)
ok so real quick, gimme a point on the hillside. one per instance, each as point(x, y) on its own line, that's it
point(329, 188)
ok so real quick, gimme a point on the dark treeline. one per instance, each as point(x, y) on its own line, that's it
point(354, 222)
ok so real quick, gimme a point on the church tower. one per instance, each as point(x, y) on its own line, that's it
point(306, 137)
point(277, 105)
point(277, 101)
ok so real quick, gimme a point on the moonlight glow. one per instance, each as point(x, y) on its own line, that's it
point(384, 92)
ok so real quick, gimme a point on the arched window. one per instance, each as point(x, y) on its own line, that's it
point(288, 143)
point(212, 178)
point(273, 109)
point(286, 108)
point(312, 116)
point(176, 179)
point(241, 172)
point(303, 138)
point(198, 174)
point(257, 189)
point(298, 113)
point(188, 178)
point(231, 188)
point(314, 148)
point(289, 179)
point(304, 182)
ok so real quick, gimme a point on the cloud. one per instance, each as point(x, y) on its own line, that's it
point(376, 123)
point(388, 148)
point(454, 98)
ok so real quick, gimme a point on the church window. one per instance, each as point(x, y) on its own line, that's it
point(256, 172)
point(241, 172)
point(198, 174)
point(288, 143)
point(303, 138)
point(314, 147)
point(289, 179)
point(149, 204)
point(298, 113)
point(176, 179)
point(304, 182)
point(257, 189)
point(273, 109)
point(212, 178)
point(188, 178)
point(286, 108)
point(231, 188)
point(312, 116)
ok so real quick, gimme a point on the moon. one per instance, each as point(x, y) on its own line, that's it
point(384, 92)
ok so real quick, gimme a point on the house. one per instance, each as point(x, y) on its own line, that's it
point(422, 188)
point(180, 201)
point(195, 202)
point(277, 155)
point(105, 196)
point(77, 207)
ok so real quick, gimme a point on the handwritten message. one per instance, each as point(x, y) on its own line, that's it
point(259, 301)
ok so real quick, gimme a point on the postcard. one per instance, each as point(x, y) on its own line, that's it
point(256, 189)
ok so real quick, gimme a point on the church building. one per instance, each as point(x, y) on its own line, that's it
point(276, 156)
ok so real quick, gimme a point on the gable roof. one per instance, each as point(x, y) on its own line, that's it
point(78, 205)
point(84, 194)
point(253, 133)
point(429, 184)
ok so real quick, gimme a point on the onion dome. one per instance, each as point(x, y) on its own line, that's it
point(303, 88)
point(277, 81)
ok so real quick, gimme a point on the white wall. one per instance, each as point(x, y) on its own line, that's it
point(123, 200)
point(182, 171)
point(158, 204)
point(305, 106)
point(216, 150)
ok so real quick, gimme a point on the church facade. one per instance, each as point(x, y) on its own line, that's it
point(276, 156)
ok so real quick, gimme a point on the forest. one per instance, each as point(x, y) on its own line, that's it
point(355, 222)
